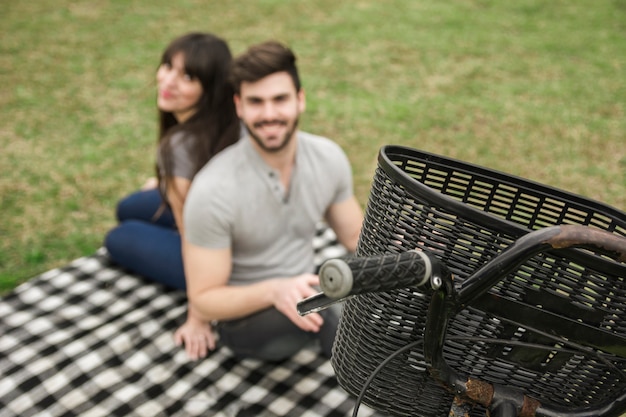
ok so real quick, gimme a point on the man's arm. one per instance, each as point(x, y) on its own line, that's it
point(208, 271)
point(346, 219)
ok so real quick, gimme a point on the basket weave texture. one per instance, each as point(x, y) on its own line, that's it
point(466, 215)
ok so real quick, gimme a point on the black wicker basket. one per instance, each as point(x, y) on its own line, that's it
point(466, 215)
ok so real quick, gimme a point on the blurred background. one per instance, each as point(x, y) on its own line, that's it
point(533, 88)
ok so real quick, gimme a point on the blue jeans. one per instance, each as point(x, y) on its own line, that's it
point(146, 245)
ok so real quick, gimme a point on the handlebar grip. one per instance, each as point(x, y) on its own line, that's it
point(340, 278)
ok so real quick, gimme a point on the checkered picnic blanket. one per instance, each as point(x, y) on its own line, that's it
point(90, 339)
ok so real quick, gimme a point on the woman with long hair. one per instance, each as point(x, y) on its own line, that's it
point(197, 119)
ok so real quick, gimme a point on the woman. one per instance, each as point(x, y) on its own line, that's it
point(197, 120)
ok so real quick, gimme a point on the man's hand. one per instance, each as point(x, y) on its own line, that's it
point(287, 294)
point(197, 336)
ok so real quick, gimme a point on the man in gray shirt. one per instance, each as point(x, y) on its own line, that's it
point(251, 214)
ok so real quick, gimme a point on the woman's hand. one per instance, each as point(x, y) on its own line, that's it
point(150, 183)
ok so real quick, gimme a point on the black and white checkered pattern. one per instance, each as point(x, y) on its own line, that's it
point(89, 339)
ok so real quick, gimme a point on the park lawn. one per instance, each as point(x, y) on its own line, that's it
point(536, 89)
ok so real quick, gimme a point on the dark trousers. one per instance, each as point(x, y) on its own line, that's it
point(270, 335)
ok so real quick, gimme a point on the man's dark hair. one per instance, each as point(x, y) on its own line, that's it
point(262, 60)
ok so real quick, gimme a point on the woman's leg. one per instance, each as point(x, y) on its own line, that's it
point(143, 205)
point(148, 250)
point(270, 335)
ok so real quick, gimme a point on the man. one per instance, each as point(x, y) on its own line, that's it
point(251, 215)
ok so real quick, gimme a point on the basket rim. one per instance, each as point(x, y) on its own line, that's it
point(482, 217)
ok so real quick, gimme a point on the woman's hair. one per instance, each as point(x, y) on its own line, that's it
point(262, 60)
point(215, 124)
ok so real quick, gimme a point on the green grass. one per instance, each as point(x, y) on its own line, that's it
point(532, 88)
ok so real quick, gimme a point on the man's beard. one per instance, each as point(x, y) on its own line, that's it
point(286, 138)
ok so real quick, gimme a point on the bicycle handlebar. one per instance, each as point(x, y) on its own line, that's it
point(341, 278)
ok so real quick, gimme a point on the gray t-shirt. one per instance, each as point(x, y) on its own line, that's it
point(238, 201)
point(181, 146)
